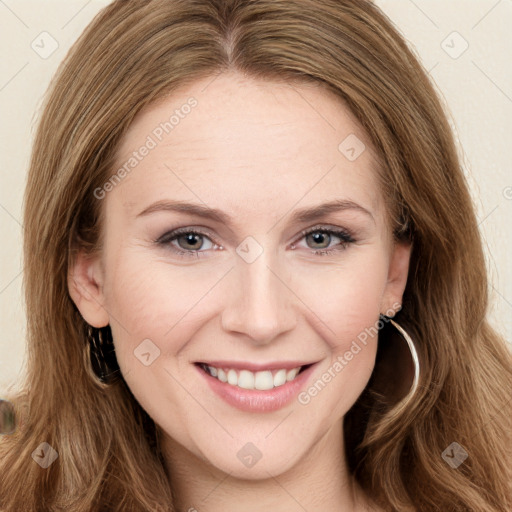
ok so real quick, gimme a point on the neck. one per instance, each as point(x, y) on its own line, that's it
point(319, 481)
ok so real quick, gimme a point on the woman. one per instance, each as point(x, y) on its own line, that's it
point(191, 347)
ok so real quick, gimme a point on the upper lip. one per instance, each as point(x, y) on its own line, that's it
point(256, 367)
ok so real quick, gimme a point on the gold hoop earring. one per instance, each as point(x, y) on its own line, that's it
point(390, 364)
point(415, 359)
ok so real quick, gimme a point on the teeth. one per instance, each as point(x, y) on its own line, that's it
point(263, 380)
point(245, 379)
point(292, 374)
point(232, 378)
point(280, 378)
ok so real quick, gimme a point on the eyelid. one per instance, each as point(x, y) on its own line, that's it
point(173, 233)
point(329, 228)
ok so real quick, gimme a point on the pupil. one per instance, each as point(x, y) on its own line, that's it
point(192, 239)
point(318, 236)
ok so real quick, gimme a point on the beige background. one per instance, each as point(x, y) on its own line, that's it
point(476, 84)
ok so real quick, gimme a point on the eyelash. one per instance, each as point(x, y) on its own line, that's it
point(345, 237)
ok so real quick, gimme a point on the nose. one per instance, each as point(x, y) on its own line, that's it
point(260, 304)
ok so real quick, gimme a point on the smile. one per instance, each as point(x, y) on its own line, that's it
point(256, 387)
point(247, 379)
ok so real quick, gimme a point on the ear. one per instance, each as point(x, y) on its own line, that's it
point(85, 285)
point(397, 277)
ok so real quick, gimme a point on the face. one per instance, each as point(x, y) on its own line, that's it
point(216, 253)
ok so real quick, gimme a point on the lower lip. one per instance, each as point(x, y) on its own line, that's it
point(250, 400)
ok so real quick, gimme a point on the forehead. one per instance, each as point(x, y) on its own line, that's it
point(243, 144)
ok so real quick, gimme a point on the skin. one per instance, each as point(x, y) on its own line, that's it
point(258, 151)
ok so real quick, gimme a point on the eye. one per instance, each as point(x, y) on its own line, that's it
point(187, 242)
point(322, 237)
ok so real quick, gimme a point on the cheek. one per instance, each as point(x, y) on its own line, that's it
point(148, 298)
point(152, 311)
point(346, 297)
point(346, 300)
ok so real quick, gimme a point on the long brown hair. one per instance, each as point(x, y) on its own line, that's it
point(137, 51)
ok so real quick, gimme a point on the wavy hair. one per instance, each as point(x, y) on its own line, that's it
point(135, 52)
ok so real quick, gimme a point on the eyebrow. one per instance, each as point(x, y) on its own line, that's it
point(308, 214)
